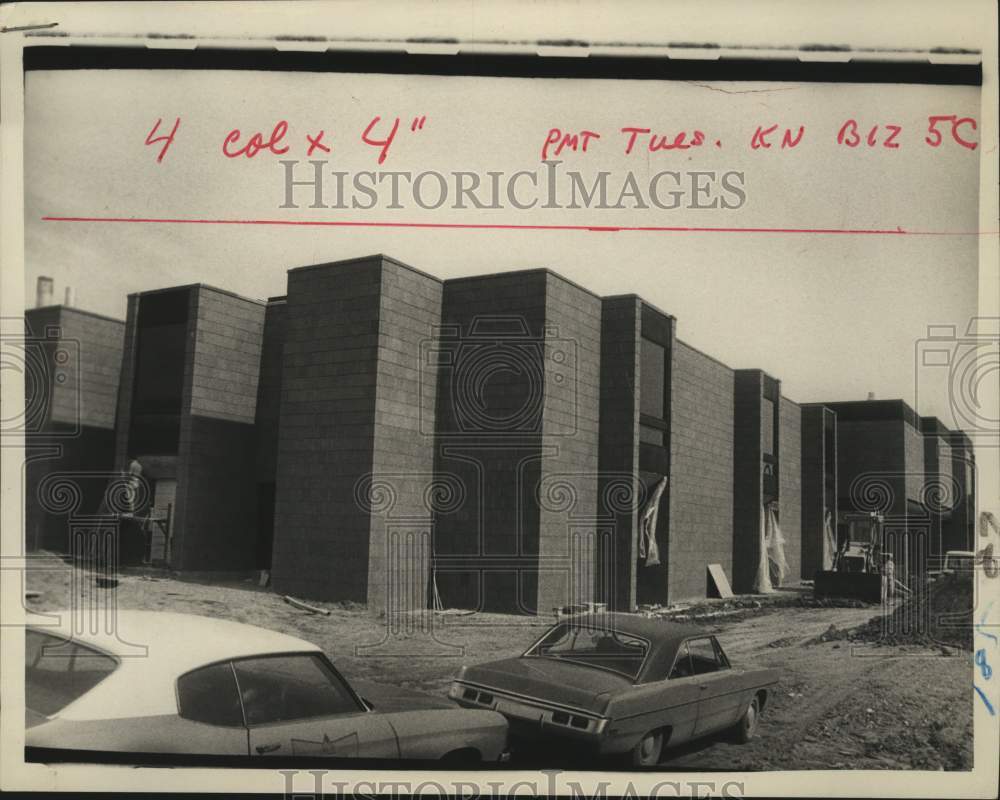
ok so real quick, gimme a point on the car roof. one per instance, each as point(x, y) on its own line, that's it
point(664, 636)
point(153, 649)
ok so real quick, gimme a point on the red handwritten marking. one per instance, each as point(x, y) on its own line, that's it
point(574, 141)
point(381, 143)
point(485, 226)
point(761, 141)
point(759, 138)
point(788, 141)
point(167, 140)
point(934, 137)
point(257, 142)
point(848, 134)
point(633, 133)
point(316, 142)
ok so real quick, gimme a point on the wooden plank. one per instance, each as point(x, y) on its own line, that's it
point(718, 576)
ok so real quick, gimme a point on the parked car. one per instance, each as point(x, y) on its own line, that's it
point(620, 684)
point(166, 683)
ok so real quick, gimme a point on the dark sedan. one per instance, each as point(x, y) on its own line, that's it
point(620, 684)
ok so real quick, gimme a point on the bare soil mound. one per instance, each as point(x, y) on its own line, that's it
point(939, 614)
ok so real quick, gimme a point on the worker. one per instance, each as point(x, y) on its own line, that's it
point(888, 578)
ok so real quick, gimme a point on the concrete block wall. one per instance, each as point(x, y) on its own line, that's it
point(268, 412)
point(215, 527)
point(568, 528)
point(880, 457)
point(959, 528)
point(70, 416)
point(702, 471)
point(326, 430)
point(747, 484)
point(940, 494)
point(790, 486)
point(618, 460)
point(126, 383)
point(818, 495)
point(914, 454)
point(87, 395)
point(400, 545)
point(870, 451)
point(489, 424)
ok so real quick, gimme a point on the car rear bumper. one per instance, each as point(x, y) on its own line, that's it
point(532, 717)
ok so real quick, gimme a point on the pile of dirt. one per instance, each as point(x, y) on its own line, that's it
point(939, 614)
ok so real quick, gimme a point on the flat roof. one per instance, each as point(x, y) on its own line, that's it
point(62, 308)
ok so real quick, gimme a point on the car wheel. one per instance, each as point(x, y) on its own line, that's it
point(647, 752)
point(745, 728)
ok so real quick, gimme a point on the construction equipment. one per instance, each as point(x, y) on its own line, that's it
point(857, 564)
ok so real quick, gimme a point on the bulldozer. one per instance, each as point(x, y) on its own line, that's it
point(856, 571)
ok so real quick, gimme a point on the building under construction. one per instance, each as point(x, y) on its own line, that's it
point(510, 442)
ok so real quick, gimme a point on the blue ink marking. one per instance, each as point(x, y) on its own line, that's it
point(989, 705)
point(983, 665)
point(982, 621)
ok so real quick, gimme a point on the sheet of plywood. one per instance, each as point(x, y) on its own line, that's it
point(718, 576)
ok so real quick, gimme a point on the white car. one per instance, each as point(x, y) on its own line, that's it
point(209, 687)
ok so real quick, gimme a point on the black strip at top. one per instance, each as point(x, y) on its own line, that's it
point(46, 57)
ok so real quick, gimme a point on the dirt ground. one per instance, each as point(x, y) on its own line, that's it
point(839, 704)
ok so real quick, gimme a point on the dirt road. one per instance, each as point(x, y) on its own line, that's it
point(837, 706)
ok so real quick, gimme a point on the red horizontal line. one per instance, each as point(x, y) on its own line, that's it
point(487, 226)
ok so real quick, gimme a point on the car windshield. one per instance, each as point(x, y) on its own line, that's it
point(602, 648)
point(57, 671)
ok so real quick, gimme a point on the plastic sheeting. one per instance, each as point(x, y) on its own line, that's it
point(829, 541)
point(772, 568)
point(648, 550)
point(776, 548)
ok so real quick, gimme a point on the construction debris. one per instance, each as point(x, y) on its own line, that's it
point(304, 606)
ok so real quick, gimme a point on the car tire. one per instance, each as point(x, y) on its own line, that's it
point(647, 752)
point(745, 728)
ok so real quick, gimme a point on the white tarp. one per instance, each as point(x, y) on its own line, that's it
point(762, 584)
point(775, 548)
point(829, 541)
point(648, 551)
point(772, 569)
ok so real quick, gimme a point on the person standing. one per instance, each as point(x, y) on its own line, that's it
point(888, 578)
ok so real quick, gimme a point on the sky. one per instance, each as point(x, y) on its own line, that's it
point(833, 316)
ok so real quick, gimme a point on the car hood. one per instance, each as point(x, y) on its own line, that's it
point(395, 698)
point(549, 679)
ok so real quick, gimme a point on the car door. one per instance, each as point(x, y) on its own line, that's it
point(297, 705)
point(683, 697)
point(718, 697)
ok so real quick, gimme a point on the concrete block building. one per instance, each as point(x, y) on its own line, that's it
point(895, 463)
point(354, 470)
point(71, 363)
point(509, 442)
point(187, 412)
